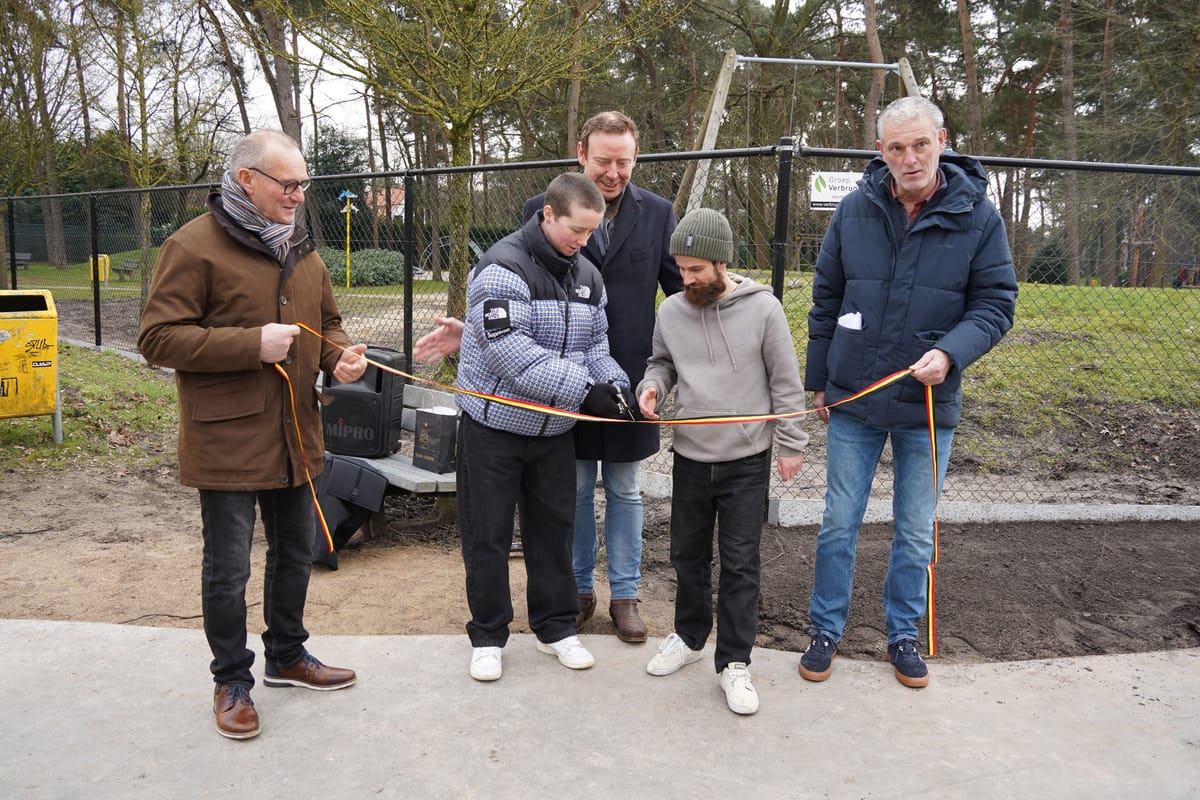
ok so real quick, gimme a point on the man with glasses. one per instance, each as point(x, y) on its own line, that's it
point(228, 293)
point(289, 187)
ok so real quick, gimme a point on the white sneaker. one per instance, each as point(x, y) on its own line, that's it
point(739, 691)
point(570, 651)
point(485, 663)
point(672, 656)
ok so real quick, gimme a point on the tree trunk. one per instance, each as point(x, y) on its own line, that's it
point(878, 76)
point(56, 248)
point(85, 109)
point(268, 32)
point(460, 220)
point(373, 206)
point(1109, 215)
point(579, 11)
point(839, 95)
point(311, 210)
point(235, 79)
point(1070, 143)
point(974, 109)
point(385, 162)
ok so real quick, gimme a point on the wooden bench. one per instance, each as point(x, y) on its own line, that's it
point(128, 268)
point(23, 260)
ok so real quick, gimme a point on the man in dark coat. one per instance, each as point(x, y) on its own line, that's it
point(632, 250)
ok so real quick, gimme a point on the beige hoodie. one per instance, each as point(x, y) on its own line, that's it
point(729, 358)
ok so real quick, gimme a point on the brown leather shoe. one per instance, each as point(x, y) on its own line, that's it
point(310, 674)
point(630, 627)
point(236, 717)
point(587, 607)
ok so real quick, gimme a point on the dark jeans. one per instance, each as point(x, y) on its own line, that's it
point(496, 471)
point(731, 494)
point(228, 518)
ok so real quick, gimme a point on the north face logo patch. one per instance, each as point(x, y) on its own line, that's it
point(496, 321)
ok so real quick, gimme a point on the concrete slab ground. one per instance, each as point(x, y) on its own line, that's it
point(105, 711)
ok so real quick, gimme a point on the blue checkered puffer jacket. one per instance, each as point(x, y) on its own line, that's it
point(535, 331)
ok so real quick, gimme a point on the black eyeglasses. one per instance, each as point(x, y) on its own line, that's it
point(290, 186)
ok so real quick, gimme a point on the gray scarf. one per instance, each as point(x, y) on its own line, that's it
point(274, 235)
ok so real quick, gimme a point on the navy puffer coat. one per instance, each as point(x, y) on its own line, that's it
point(947, 284)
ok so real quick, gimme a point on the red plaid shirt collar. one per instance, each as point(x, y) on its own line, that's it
point(912, 215)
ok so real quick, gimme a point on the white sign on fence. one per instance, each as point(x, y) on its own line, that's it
point(826, 189)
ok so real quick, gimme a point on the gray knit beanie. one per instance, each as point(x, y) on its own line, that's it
point(703, 233)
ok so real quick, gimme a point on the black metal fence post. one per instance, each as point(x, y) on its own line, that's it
point(94, 246)
point(782, 210)
point(409, 258)
point(11, 219)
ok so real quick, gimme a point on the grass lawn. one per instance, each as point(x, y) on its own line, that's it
point(114, 410)
point(1078, 358)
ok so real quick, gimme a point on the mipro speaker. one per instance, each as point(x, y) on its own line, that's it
point(364, 418)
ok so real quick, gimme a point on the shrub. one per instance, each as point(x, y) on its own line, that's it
point(367, 267)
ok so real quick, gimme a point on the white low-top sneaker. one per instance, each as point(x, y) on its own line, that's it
point(570, 651)
point(739, 691)
point(672, 656)
point(485, 663)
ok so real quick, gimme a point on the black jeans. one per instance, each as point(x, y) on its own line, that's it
point(496, 471)
point(731, 494)
point(288, 521)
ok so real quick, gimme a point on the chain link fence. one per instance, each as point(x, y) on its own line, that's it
point(1094, 396)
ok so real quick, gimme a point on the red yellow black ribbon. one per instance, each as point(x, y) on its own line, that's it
point(562, 412)
point(304, 457)
point(930, 593)
point(721, 420)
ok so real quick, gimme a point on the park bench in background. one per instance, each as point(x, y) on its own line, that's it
point(128, 268)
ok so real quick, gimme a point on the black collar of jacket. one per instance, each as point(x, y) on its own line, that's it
point(301, 244)
point(541, 251)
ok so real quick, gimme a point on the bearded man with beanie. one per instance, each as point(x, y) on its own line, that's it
point(725, 346)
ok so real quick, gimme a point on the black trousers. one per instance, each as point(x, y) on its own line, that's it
point(496, 472)
point(731, 495)
point(288, 520)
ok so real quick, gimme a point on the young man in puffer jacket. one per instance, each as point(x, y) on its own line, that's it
point(536, 332)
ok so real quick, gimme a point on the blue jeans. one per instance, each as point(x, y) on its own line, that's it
point(289, 524)
point(622, 527)
point(852, 456)
point(732, 496)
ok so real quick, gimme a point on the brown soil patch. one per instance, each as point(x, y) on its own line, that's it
point(124, 547)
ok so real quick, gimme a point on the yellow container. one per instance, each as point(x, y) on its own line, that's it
point(103, 265)
point(28, 354)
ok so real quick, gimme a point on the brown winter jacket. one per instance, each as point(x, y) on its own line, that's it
point(214, 287)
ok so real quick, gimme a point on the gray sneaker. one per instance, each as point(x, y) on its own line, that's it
point(673, 655)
